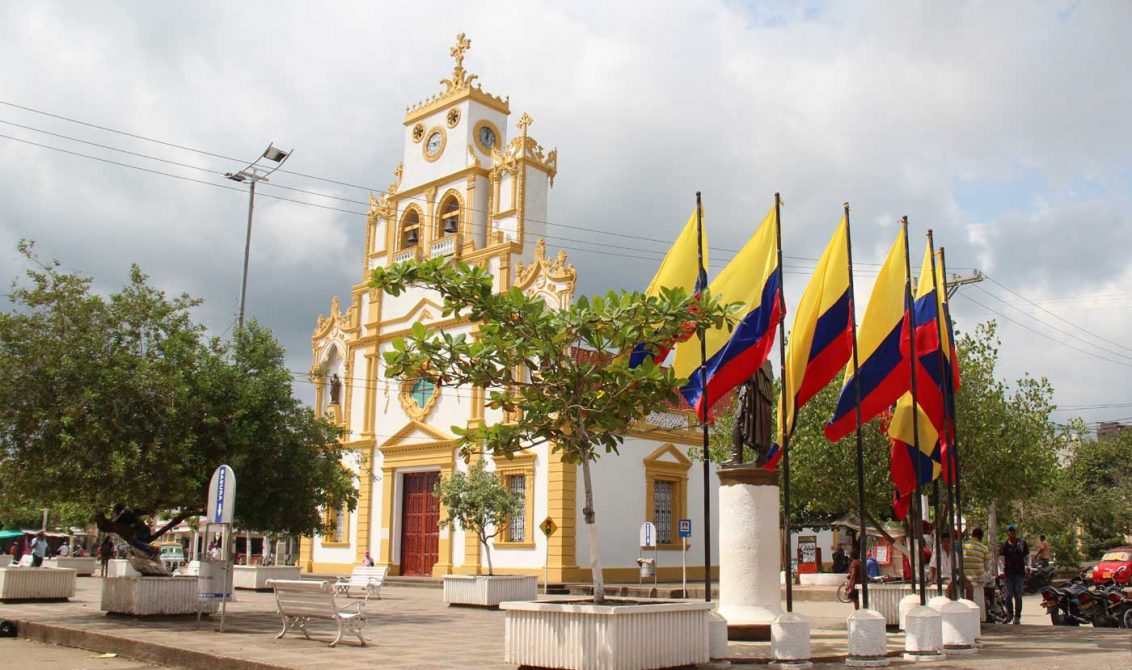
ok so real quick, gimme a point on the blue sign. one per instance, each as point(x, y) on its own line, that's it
point(221, 495)
point(685, 528)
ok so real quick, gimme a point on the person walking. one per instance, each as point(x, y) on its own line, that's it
point(38, 549)
point(977, 570)
point(105, 553)
point(1014, 560)
point(854, 578)
point(1045, 552)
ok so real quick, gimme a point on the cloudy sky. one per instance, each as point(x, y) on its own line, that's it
point(1004, 126)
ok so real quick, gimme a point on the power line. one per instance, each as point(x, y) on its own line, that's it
point(1052, 327)
point(1037, 332)
point(1070, 323)
point(328, 180)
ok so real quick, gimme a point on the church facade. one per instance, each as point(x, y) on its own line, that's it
point(473, 190)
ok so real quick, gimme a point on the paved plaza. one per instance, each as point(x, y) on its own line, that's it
point(412, 628)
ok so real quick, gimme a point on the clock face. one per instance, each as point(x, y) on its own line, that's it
point(487, 137)
point(433, 144)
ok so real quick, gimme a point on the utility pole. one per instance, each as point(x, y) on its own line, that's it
point(955, 281)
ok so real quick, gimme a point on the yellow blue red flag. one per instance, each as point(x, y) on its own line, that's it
point(752, 279)
point(883, 371)
point(680, 268)
point(821, 341)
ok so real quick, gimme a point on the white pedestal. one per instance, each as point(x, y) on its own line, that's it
point(790, 641)
point(717, 637)
point(83, 567)
point(923, 635)
point(957, 635)
point(120, 567)
point(868, 646)
point(749, 550)
point(907, 604)
point(937, 602)
point(976, 623)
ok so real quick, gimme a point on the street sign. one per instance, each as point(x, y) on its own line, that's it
point(685, 528)
point(648, 534)
point(222, 495)
point(548, 526)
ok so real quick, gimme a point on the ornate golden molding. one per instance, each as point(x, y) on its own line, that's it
point(545, 273)
point(457, 87)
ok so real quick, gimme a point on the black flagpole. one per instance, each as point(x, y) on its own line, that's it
point(945, 437)
point(702, 276)
point(785, 446)
point(910, 306)
point(862, 538)
point(949, 400)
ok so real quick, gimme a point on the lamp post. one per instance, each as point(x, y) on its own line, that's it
point(252, 174)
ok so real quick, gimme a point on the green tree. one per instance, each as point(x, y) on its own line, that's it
point(524, 353)
point(480, 503)
point(122, 398)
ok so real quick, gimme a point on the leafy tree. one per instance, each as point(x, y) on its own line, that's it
point(122, 398)
point(524, 353)
point(480, 503)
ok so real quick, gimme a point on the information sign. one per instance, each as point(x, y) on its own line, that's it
point(222, 495)
point(548, 526)
point(685, 528)
point(648, 534)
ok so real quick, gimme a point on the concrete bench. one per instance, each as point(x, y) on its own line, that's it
point(300, 600)
point(36, 584)
point(370, 579)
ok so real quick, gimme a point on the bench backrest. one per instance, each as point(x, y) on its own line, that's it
point(365, 574)
point(304, 597)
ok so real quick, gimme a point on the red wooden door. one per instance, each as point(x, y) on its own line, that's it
point(420, 523)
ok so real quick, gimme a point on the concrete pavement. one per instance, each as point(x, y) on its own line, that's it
point(411, 628)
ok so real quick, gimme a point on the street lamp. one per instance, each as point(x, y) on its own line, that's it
point(254, 173)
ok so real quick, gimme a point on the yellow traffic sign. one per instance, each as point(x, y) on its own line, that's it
point(548, 526)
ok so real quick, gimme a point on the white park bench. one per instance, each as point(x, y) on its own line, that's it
point(300, 600)
point(370, 579)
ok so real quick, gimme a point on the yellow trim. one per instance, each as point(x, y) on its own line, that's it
point(430, 157)
point(409, 403)
point(321, 568)
point(365, 504)
point(666, 574)
point(441, 454)
point(439, 229)
point(330, 518)
point(562, 506)
point(669, 471)
point(402, 227)
point(476, 136)
point(486, 99)
point(520, 464)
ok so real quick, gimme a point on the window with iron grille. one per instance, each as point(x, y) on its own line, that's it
point(662, 510)
point(340, 526)
point(517, 526)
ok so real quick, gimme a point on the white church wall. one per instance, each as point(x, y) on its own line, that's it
point(535, 212)
point(529, 558)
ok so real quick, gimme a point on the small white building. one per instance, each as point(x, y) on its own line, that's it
point(472, 189)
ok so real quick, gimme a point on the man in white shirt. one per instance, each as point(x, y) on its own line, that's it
point(941, 561)
point(64, 550)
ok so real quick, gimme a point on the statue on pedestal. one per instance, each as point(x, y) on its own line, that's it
point(753, 408)
point(335, 389)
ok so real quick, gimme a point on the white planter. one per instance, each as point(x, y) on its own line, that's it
point(146, 596)
point(120, 567)
point(607, 637)
point(256, 576)
point(5, 560)
point(486, 591)
point(885, 599)
point(84, 567)
point(821, 579)
point(36, 584)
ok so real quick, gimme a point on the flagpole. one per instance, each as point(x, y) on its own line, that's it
point(701, 279)
point(785, 434)
point(862, 537)
point(910, 306)
point(949, 402)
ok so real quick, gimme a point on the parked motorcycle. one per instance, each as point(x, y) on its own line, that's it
point(1040, 576)
point(1120, 606)
point(1063, 604)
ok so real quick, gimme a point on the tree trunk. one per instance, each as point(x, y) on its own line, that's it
point(487, 551)
point(591, 530)
point(992, 533)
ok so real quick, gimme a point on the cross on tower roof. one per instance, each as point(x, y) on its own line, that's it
point(457, 52)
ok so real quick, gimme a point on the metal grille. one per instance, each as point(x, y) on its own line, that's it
point(340, 526)
point(662, 510)
point(517, 526)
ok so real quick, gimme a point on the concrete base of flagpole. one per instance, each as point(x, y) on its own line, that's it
point(937, 602)
point(750, 549)
point(907, 604)
point(868, 644)
point(717, 643)
point(957, 636)
point(923, 635)
point(790, 641)
point(976, 621)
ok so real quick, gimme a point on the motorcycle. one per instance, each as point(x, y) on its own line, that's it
point(1120, 606)
point(1040, 576)
point(1064, 604)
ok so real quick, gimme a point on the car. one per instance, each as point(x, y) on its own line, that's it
point(1116, 564)
point(172, 555)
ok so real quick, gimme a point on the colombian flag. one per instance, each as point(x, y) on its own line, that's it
point(822, 338)
point(931, 376)
point(911, 467)
point(753, 279)
point(680, 268)
point(950, 365)
point(883, 371)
